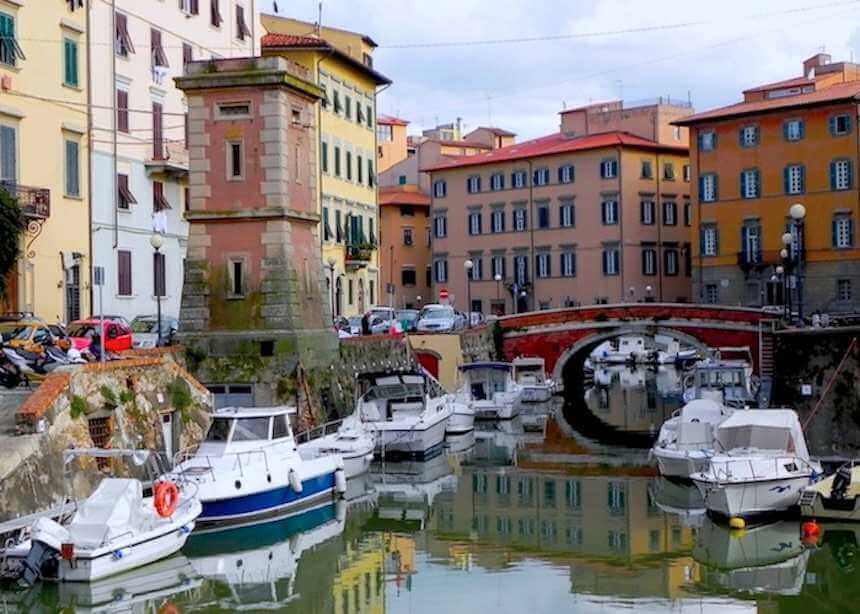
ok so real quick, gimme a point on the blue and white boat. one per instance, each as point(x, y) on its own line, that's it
point(249, 467)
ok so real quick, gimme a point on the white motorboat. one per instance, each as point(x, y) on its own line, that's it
point(462, 418)
point(726, 381)
point(674, 354)
point(685, 444)
point(249, 466)
point(353, 441)
point(490, 390)
point(762, 467)
point(622, 350)
point(836, 497)
point(115, 530)
point(767, 559)
point(407, 413)
point(255, 567)
point(530, 376)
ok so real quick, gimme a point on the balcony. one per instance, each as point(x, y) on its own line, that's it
point(358, 255)
point(758, 261)
point(35, 203)
point(169, 159)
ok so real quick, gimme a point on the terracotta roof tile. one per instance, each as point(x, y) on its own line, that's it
point(843, 91)
point(291, 40)
point(793, 82)
point(399, 196)
point(555, 143)
point(496, 131)
point(391, 120)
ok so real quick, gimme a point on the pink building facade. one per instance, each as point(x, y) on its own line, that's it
point(596, 213)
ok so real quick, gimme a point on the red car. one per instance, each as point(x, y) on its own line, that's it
point(117, 335)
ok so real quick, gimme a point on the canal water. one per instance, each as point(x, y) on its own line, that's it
point(523, 516)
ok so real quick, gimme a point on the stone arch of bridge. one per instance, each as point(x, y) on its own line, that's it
point(601, 335)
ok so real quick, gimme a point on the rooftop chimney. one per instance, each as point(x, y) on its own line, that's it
point(819, 59)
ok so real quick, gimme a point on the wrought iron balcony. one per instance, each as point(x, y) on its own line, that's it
point(35, 203)
point(758, 260)
point(359, 254)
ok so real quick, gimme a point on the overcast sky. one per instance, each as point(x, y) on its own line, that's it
point(707, 50)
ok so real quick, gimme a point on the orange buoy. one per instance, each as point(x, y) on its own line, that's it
point(166, 498)
point(810, 530)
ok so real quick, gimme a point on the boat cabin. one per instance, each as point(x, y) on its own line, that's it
point(769, 431)
point(529, 371)
point(393, 398)
point(235, 429)
point(482, 380)
point(724, 381)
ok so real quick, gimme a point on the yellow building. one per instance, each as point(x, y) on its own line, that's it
point(43, 149)
point(342, 64)
point(358, 587)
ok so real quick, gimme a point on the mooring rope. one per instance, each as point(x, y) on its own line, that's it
point(829, 384)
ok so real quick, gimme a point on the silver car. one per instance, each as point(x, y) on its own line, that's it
point(144, 331)
point(438, 319)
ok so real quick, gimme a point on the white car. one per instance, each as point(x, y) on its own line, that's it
point(438, 319)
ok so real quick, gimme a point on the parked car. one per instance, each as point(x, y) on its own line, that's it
point(144, 331)
point(117, 335)
point(377, 320)
point(438, 319)
point(32, 334)
point(354, 325)
point(113, 318)
point(408, 319)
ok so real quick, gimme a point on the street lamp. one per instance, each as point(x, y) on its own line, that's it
point(798, 213)
point(648, 291)
point(632, 292)
point(157, 241)
point(331, 263)
point(468, 268)
point(498, 278)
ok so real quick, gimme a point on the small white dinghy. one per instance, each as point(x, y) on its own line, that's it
point(116, 529)
point(763, 465)
point(686, 441)
point(530, 375)
point(490, 390)
point(353, 441)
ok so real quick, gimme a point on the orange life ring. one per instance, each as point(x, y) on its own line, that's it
point(166, 498)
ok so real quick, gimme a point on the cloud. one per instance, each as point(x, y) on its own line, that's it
point(522, 86)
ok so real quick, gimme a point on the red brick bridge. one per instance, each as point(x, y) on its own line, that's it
point(557, 335)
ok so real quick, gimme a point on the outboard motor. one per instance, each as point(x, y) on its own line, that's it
point(841, 482)
point(41, 562)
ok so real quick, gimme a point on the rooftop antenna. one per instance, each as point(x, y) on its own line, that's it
point(489, 110)
point(275, 6)
point(319, 18)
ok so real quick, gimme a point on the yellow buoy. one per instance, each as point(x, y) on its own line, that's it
point(737, 523)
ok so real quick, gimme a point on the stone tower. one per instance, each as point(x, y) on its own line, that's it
point(253, 303)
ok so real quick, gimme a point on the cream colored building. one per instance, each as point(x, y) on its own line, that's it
point(43, 149)
point(343, 66)
point(139, 155)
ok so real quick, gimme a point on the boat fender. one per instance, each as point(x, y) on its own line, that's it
point(166, 498)
point(340, 481)
point(737, 523)
point(295, 482)
point(810, 530)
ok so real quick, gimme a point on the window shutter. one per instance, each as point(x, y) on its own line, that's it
point(699, 139)
point(849, 172)
point(9, 163)
point(701, 187)
point(716, 241)
point(833, 175)
point(741, 137)
point(832, 123)
point(834, 233)
point(122, 110)
point(603, 170)
point(716, 187)
point(744, 239)
point(851, 232)
point(802, 179)
point(785, 180)
point(605, 260)
point(72, 169)
point(157, 136)
point(124, 281)
point(644, 261)
point(743, 184)
point(785, 130)
point(603, 212)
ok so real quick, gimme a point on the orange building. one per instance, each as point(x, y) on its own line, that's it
point(390, 141)
point(596, 212)
point(789, 142)
point(404, 235)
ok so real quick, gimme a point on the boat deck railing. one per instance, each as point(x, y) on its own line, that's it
point(318, 431)
point(722, 469)
point(191, 453)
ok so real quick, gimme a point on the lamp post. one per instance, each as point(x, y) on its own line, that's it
point(632, 291)
point(467, 266)
point(648, 291)
point(780, 276)
point(156, 241)
point(331, 263)
point(498, 278)
point(798, 213)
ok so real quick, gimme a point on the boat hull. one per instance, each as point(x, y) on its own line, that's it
point(751, 498)
point(679, 466)
point(273, 501)
point(490, 410)
point(412, 440)
point(460, 422)
point(357, 464)
point(536, 394)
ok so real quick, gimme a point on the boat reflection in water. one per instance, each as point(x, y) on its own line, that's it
point(766, 559)
point(256, 566)
point(679, 499)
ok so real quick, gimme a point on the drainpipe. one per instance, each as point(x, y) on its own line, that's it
point(658, 213)
point(376, 93)
point(115, 128)
point(531, 222)
point(621, 250)
point(90, 155)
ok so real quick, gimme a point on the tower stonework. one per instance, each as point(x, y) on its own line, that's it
point(253, 301)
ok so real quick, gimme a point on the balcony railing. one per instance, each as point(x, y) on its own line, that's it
point(35, 203)
point(359, 253)
point(758, 260)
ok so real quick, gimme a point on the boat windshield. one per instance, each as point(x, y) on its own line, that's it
point(219, 430)
point(394, 391)
point(251, 429)
point(721, 377)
